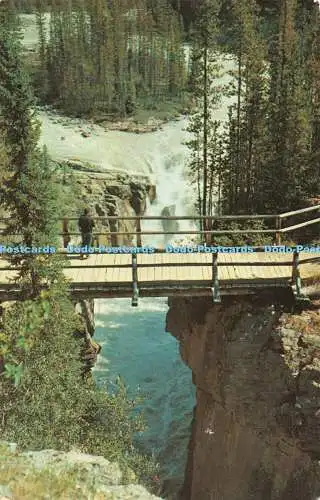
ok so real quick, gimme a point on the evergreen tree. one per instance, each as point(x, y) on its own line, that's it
point(313, 85)
point(283, 177)
point(27, 193)
point(205, 67)
point(105, 56)
point(246, 149)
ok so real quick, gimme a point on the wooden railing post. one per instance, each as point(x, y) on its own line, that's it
point(135, 289)
point(278, 227)
point(139, 241)
point(215, 279)
point(296, 278)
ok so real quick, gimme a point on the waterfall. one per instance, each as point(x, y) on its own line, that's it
point(167, 159)
point(175, 196)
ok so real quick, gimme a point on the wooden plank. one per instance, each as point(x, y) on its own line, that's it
point(95, 273)
point(298, 226)
point(124, 274)
point(110, 273)
point(154, 260)
point(191, 272)
point(98, 274)
point(145, 273)
point(257, 271)
point(222, 270)
point(206, 271)
point(172, 272)
point(157, 268)
point(226, 270)
point(115, 276)
point(280, 271)
point(234, 270)
point(169, 276)
point(261, 272)
point(165, 270)
point(240, 272)
point(253, 270)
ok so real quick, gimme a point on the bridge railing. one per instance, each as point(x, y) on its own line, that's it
point(207, 235)
point(10, 291)
point(204, 235)
point(277, 231)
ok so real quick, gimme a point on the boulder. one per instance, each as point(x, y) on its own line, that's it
point(169, 225)
point(52, 475)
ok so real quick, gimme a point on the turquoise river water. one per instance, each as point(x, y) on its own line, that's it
point(136, 347)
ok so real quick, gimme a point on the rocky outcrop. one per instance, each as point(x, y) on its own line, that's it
point(56, 475)
point(256, 425)
point(109, 194)
point(91, 348)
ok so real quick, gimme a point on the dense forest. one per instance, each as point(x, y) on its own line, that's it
point(266, 157)
point(97, 56)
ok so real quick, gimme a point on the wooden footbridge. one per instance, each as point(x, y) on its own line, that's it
point(214, 270)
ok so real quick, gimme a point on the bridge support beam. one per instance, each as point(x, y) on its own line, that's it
point(300, 299)
point(215, 279)
point(296, 279)
point(135, 289)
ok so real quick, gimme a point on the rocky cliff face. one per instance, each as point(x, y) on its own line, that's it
point(90, 349)
point(108, 194)
point(256, 426)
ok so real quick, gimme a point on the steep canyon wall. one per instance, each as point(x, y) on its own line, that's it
point(256, 426)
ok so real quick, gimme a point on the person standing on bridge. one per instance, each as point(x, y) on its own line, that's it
point(86, 224)
point(65, 232)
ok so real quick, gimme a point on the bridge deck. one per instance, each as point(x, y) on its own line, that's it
point(170, 274)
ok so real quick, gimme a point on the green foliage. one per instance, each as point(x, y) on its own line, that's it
point(51, 406)
point(241, 239)
point(15, 93)
point(289, 117)
point(267, 158)
point(204, 145)
point(246, 129)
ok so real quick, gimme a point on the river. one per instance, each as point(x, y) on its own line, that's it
point(134, 342)
point(136, 347)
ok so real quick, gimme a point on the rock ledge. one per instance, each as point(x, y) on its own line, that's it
point(51, 474)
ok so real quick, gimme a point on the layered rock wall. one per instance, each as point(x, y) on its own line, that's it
point(256, 426)
point(110, 194)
